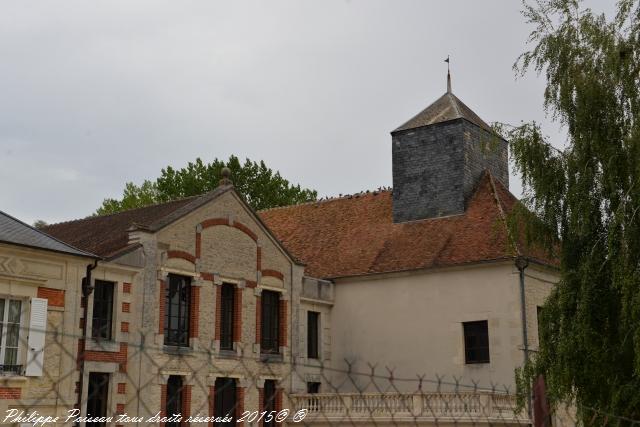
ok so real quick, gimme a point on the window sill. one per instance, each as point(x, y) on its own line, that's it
point(102, 345)
point(7, 377)
point(176, 350)
point(271, 358)
point(227, 354)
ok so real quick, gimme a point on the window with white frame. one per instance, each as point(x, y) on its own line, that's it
point(11, 319)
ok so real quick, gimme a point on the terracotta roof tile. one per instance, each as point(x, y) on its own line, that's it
point(353, 235)
point(357, 236)
point(107, 235)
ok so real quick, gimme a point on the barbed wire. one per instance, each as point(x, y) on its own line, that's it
point(346, 396)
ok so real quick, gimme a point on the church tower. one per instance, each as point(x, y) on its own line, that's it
point(439, 156)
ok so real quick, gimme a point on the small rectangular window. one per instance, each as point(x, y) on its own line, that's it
point(173, 403)
point(269, 401)
point(102, 310)
point(225, 399)
point(313, 320)
point(10, 319)
point(313, 388)
point(176, 310)
point(98, 396)
point(476, 342)
point(269, 342)
point(227, 302)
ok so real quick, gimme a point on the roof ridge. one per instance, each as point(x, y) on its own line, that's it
point(331, 199)
point(125, 211)
point(498, 201)
point(455, 104)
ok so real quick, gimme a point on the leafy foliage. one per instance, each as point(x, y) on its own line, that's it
point(261, 187)
point(588, 196)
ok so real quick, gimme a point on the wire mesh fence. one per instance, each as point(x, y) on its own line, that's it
point(140, 382)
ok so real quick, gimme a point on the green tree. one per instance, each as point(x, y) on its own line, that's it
point(587, 196)
point(262, 187)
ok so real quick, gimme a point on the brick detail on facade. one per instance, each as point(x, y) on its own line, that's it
point(258, 319)
point(212, 403)
point(278, 402)
point(198, 245)
point(122, 388)
point(272, 273)
point(258, 258)
point(10, 393)
point(163, 402)
point(54, 296)
point(239, 404)
point(194, 312)
point(218, 325)
point(119, 357)
point(182, 255)
point(237, 316)
point(211, 222)
point(161, 301)
point(119, 408)
point(186, 404)
point(124, 327)
point(126, 288)
point(282, 324)
point(251, 283)
point(207, 276)
point(126, 307)
point(260, 399)
point(246, 230)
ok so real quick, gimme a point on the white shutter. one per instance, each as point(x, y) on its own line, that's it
point(37, 335)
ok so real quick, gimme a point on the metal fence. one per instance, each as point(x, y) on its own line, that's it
point(139, 391)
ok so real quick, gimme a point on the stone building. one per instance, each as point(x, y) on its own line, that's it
point(40, 288)
point(201, 305)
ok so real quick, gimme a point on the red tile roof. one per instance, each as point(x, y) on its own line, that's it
point(348, 236)
point(356, 235)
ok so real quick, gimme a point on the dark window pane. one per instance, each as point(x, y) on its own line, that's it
point(270, 322)
point(476, 341)
point(269, 400)
point(102, 310)
point(313, 388)
point(312, 334)
point(225, 399)
point(97, 396)
point(173, 404)
point(227, 311)
point(176, 310)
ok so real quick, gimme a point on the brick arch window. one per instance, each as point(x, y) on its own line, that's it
point(177, 307)
point(227, 314)
point(270, 322)
point(174, 398)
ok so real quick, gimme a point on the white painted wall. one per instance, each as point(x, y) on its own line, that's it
point(412, 323)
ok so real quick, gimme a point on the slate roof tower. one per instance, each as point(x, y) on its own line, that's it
point(439, 156)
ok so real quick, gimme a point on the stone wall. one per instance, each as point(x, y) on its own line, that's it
point(436, 168)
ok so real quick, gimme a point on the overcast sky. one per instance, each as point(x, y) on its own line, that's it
point(95, 94)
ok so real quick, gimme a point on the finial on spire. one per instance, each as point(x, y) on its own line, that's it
point(448, 75)
point(226, 173)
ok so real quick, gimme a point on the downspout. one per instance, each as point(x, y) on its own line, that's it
point(521, 264)
point(87, 289)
